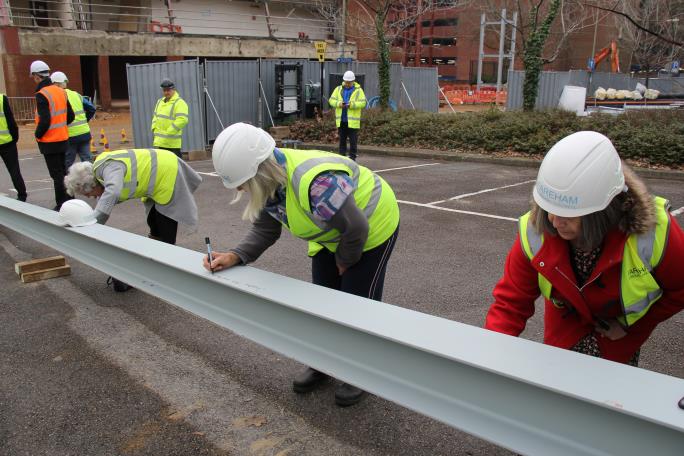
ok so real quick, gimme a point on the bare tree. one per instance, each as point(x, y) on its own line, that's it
point(649, 31)
point(383, 21)
point(544, 28)
point(331, 11)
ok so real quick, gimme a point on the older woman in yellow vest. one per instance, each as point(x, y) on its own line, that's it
point(348, 215)
point(604, 253)
point(164, 182)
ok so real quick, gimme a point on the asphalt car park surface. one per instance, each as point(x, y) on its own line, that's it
point(85, 370)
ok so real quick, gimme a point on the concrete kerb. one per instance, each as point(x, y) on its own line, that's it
point(480, 158)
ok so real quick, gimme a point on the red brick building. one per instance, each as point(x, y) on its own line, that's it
point(449, 39)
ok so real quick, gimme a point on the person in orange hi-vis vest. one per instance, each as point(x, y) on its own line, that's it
point(53, 114)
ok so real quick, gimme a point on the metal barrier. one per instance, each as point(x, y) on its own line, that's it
point(23, 108)
point(525, 396)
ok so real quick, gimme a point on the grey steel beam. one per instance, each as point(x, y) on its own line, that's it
point(519, 394)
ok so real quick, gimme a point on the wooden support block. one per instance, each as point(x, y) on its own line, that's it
point(43, 274)
point(195, 155)
point(39, 264)
point(280, 132)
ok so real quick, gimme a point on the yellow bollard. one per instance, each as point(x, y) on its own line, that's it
point(124, 139)
point(106, 145)
point(93, 147)
point(102, 136)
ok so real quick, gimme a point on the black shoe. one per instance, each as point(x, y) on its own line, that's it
point(308, 380)
point(118, 285)
point(57, 208)
point(346, 395)
point(22, 198)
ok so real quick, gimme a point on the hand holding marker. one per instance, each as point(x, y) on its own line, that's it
point(206, 241)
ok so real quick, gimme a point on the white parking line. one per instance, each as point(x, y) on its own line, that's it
point(678, 211)
point(479, 214)
point(465, 195)
point(404, 167)
point(27, 158)
point(38, 180)
point(207, 174)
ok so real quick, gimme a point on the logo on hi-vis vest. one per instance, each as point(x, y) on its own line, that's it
point(637, 272)
point(553, 196)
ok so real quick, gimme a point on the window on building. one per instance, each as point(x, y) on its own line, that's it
point(446, 22)
point(439, 41)
point(444, 61)
point(443, 22)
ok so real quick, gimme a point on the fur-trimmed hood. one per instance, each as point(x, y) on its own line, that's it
point(639, 209)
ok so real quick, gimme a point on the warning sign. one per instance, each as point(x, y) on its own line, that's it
point(320, 50)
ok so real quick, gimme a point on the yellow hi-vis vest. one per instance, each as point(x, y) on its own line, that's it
point(5, 136)
point(150, 173)
point(357, 102)
point(372, 194)
point(170, 117)
point(642, 253)
point(80, 125)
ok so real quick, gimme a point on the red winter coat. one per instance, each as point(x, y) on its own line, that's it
point(517, 291)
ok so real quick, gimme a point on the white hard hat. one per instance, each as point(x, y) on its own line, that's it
point(238, 151)
point(348, 76)
point(58, 76)
point(581, 174)
point(77, 212)
point(38, 66)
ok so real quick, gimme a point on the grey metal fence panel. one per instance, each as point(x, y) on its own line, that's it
point(144, 91)
point(267, 78)
point(370, 72)
point(396, 92)
point(330, 68)
point(551, 85)
point(233, 87)
point(550, 89)
point(579, 78)
point(617, 81)
point(423, 87)
point(668, 86)
point(514, 100)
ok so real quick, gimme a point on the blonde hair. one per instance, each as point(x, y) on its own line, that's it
point(269, 178)
point(80, 179)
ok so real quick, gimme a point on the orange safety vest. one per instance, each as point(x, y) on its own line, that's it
point(57, 100)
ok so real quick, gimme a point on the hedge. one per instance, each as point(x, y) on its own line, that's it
point(650, 138)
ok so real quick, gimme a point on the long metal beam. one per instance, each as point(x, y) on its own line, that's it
point(522, 395)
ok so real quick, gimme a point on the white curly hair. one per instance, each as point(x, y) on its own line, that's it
point(80, 179)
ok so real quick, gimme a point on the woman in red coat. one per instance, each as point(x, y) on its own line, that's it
point(605, 254)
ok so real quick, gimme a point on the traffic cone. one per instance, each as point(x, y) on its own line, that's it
point(102, 137)
point(124, 139)
point(106, 145)
point(93, 147)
